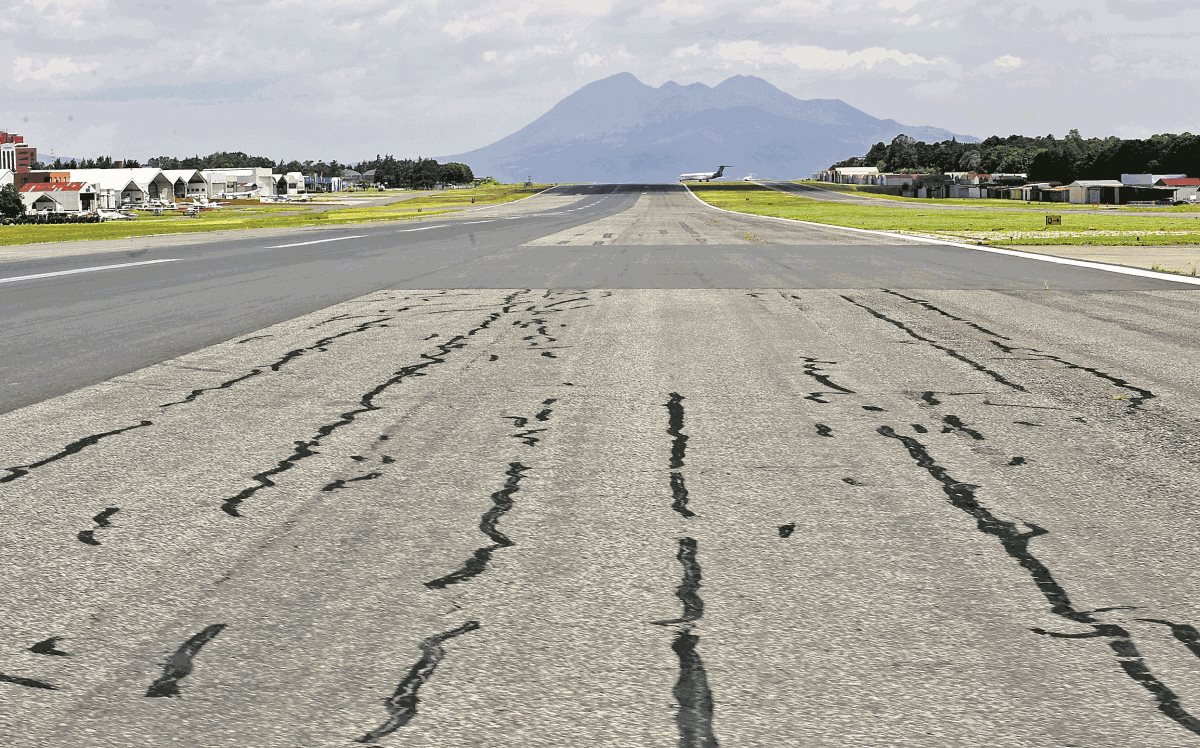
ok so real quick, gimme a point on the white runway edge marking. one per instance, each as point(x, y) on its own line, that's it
point(423, 228)
point(95, 269)
point(317, 241)
point(1119, 269)
point(476, 223)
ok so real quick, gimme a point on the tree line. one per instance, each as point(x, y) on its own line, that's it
point(416, 174)
point(1044, 159)
point(420, 173)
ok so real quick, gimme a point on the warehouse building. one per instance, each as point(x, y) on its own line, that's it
point(58, 197)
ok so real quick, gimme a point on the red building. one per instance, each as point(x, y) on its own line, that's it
point(15, 154)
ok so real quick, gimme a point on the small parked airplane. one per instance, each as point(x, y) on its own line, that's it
point(113, 215)
point(704, 176)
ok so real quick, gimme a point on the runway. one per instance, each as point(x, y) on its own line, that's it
point(601, 467)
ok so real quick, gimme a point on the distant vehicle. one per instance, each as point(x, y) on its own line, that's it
point(704, 176)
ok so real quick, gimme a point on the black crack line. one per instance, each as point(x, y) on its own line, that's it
point(674, 408)
point(927, 305)
point(1141, 394)
point(997, 376)
point(823, 430)
point(544, 414)
point(688, 591)
point(1015, 543)
point(812, 368)
point(679, 495)
point(17, 680)
point(320, 345)
point(785, 531)
point(693, 695)
point(305, 449)
point(1185, 633)
point(954, 423)
point(75, 447)
point(344, 482)
point(502, 502)
point(179, 665)
point(253, 337)
point(49, 647)
point(102, 521)
point(402, 705)
point(527, 437)
point(1135, 402)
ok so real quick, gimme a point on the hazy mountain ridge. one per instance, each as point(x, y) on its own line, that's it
point(621, 129)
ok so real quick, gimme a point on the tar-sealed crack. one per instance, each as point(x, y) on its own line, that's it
point(306, 448)
point(402, 705)
point(1140, 394)
point(785, 531)
point(679, 495)
point(502, 502)
point(955, 424)
point(49, 647)
point(995, 375)
point(926, 304)
point(1134, 401)
point(529, 437)
point(320, 345)
point(102, 520)
point(675, 429)
point(1187, 634)
point(75, 447)
point(17, 680)
point(1015, 542)
point(823, 430)
point(341, 483)
point(179, 665)
point(694, 717)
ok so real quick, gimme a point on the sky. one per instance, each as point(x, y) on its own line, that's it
point(346, 79)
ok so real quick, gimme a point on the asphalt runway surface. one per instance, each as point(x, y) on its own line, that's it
point(610, 469)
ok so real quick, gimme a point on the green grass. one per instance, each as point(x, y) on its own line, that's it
point(1002, 227)
point(283, 215)
point(866, 191)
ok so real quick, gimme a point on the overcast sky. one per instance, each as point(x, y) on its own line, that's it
point(346, 79)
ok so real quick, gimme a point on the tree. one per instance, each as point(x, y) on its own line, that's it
point(11, 205)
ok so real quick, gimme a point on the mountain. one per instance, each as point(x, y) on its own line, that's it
point(621, 130)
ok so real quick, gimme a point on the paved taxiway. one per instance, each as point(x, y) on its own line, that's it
point(728, 480)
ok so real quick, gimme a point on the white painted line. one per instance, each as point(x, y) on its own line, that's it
point(423, 228)
point(475, 223)
point(316, 241)
point(95, 269)
point(1118, 269)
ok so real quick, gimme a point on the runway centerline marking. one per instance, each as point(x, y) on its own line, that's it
point(317, 241)
point(423, 228)
point(93, 269)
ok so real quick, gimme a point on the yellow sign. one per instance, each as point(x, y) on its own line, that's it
point(1054, 220)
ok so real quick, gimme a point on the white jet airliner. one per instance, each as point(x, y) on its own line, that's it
point(704, 176)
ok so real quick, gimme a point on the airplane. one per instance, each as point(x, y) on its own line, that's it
point(113, 215)
point(704, 176)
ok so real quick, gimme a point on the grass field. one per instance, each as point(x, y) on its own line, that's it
point(994, 227)
point(1007, 204)
point(266, 216)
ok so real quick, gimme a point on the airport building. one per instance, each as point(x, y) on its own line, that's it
point(58, 197)
point(16, 155)
point(187, 183)
point(250, 180)
point(117, 187)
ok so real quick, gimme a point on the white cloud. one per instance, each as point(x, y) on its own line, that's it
point(56, 72)
point(1008, 62)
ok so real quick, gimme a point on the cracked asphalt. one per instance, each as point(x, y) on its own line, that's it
point(797, 489)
